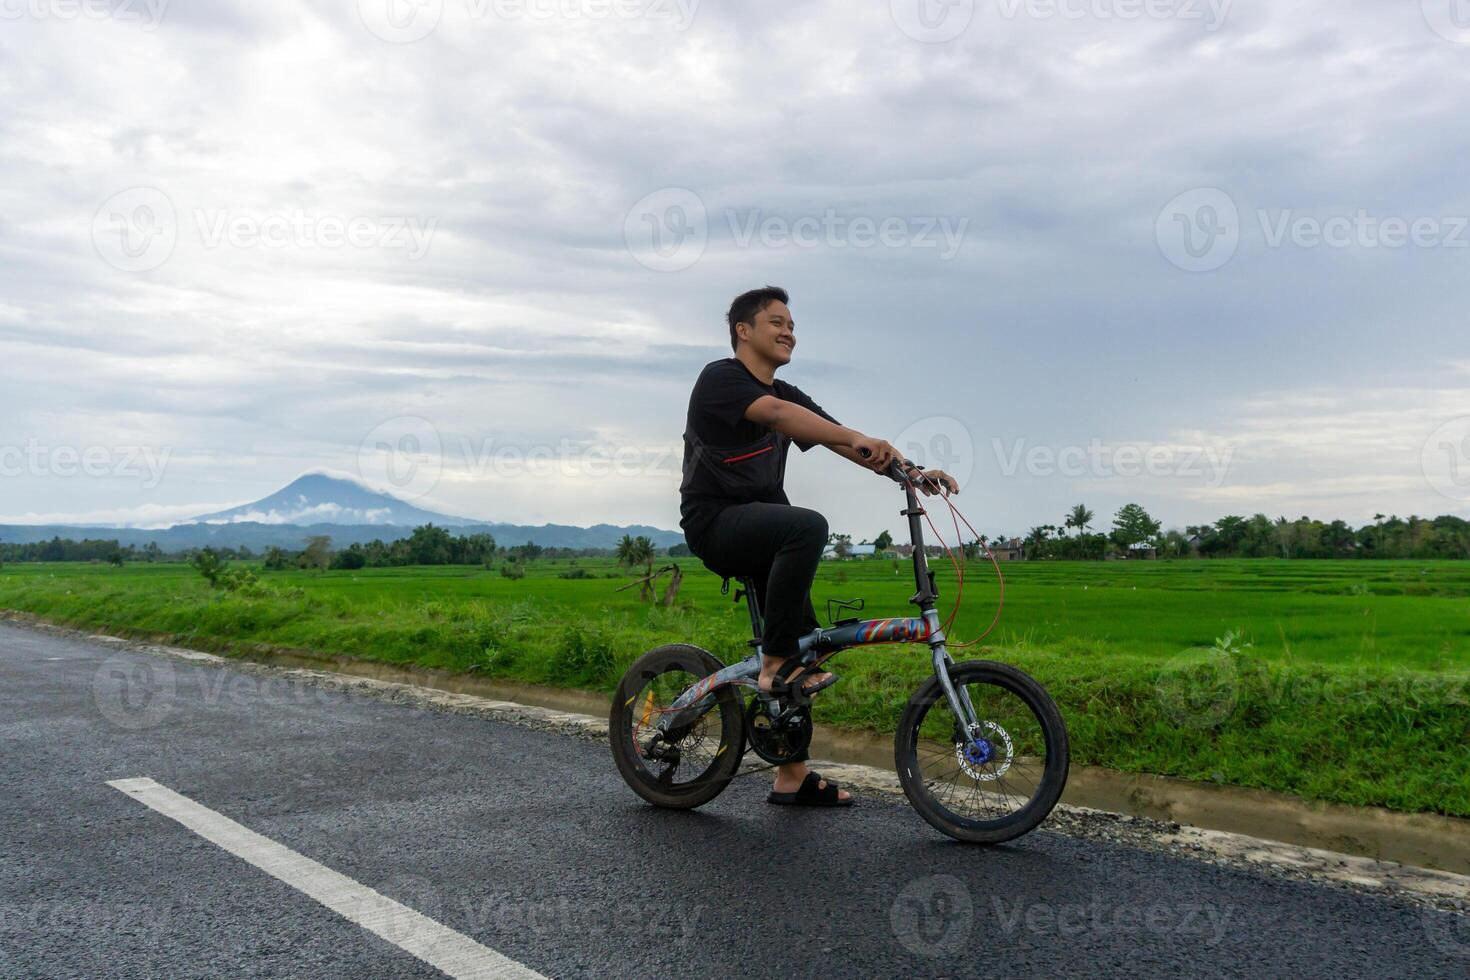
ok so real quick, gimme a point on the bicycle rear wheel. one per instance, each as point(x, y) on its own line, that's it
point(693, 764)
point(1005, 783)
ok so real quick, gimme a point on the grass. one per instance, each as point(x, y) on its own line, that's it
point(1345, 681)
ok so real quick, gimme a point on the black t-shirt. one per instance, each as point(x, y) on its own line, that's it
point(717, 405)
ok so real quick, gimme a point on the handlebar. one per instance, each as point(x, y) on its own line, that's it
point(896, 469)
point(899, 471)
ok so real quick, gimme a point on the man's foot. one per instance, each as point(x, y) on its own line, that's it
point(810, 683)
point(790, 777)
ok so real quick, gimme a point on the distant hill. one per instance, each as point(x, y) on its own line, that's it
point(341, 507)
point(330, 498)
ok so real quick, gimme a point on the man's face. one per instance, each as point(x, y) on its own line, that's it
point(773, 334)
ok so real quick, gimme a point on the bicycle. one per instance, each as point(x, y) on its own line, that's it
point(981, 749)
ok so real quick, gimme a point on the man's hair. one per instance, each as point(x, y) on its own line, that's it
point(747, 305)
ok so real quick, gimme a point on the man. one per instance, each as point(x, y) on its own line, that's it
point(733, 507)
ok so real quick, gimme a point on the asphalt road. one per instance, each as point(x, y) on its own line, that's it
point(530, 844)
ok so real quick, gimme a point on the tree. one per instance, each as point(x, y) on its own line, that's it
point(352, 559)
point(318, 553)
point(841, 544)
point(1080, 518)
point(882, 542)
point(430, 545)
point(1132, 525)
point(638, 551)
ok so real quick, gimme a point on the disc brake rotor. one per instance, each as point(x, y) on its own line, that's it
point(988, 754)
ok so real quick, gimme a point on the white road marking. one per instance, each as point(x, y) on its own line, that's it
point(435, 944)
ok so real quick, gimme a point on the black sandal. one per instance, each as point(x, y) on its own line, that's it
point(810, 795)
point(781, 684)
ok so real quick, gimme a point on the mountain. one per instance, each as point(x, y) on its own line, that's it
point(332, 504)
point(322, 497)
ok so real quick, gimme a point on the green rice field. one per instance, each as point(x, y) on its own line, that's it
point(1346, 681)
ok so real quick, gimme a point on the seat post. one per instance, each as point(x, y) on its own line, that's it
point(753, 604)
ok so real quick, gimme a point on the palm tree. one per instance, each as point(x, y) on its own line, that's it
point(1080, 518)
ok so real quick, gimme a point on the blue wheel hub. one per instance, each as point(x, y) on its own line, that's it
point(979, 752)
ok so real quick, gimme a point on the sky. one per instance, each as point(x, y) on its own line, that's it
point(1207, 256)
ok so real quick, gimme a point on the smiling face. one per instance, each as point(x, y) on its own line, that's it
point(772, 335)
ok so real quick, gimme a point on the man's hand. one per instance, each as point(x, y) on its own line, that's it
point(935, 481)
point(875, 454)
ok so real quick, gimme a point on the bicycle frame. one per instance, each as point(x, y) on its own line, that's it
point(822, 643)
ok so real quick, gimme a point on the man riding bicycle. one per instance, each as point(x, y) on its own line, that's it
point(733, 506)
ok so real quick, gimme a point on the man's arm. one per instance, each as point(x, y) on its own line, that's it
point(804, 425)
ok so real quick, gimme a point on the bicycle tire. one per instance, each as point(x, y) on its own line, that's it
point(922, 795)
point(635, 770)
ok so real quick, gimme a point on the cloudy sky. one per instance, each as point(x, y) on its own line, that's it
point(1207, 256)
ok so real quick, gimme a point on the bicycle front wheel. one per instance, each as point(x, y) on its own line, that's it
point(1004, 777)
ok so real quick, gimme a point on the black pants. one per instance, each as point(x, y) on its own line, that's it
point(778, 546)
